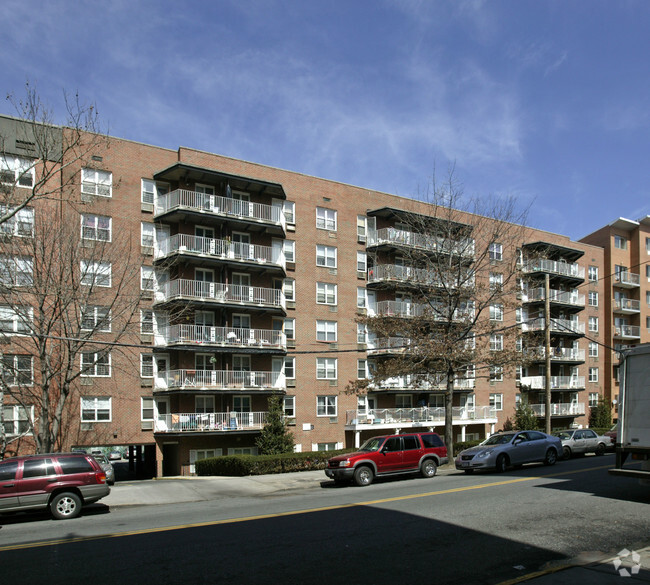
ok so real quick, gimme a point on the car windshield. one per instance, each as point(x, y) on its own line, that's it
point(563, 434)
point(498, 440)
point(373, 444)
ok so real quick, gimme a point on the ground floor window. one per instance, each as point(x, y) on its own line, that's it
point(242, 451)
point(15, 419)
point(198, 454)
point(326, 446)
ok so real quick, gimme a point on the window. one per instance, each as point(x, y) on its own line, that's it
point(16, 319)
point(16, 171)
point(146, 321)
point(17, 370)
point(620, 242)
point(594, 397)
point(326, 293)
point(96, 318)
point(496, 401)
point(289, 209)
point(326, 219)
point(290, 328)
point(326, 256)
point(146, 408)
point(496, 373)
point(593, 374)
point(289, 247)
point(146, 234)
point(326, 330)
point(496, 312)
point(96, 364)
point(290, 368)
point(361, 228)
point(593, 299)
point(95, 273)
point(593, 273)
point(326, 405)
point(647, 245)
point(362, 369)
point(326, 368)
point(495, 251)
point(647, 298)
point(403, 401)
point(362, 262)
point(147, 278)
point(150, 189)
point(496, 342)
point(16, 270)
point(496, 280)
point(19, 224)
point(647, 323)
point(289, 289)
point(94, 182)
point(16, 419)
point(96, 227)
point(593, 349)
point(361, 297)
point(146, 365)
point(593, 324)
point(289, 406)
point(95, 409)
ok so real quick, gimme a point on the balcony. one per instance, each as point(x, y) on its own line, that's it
point(407, 418)
point(195, 422)
point(627, 332)
point(409, 275)
point(388, 345)
point(558, 268)
point(433, 311)
point(569, 298)
point(393, 237)
point(421, 383)
point(222, 250)
point(222, 380)
point(221, 294)
point(560, 409)
point(627, 306)
point(627, 280)
point(557, 382)
point(564, 326)
point(230, 337)
point(558, 354)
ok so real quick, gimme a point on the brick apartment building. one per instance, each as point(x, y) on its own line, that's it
point(251, 282)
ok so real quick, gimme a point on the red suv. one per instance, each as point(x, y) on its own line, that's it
point(388, 455)
point(62, 482)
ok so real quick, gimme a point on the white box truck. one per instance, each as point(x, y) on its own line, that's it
point(633, 440)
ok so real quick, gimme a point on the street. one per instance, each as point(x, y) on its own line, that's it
point(454, 528)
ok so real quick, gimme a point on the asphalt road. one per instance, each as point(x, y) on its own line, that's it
point(452, 529)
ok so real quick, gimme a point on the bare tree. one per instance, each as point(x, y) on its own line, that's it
point(457, 279)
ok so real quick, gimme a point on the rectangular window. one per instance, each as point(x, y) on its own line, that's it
point(496, 312)
point(593, 324)
point(289, 247)
point(495, 251)
point(289, 289)
point(593, 273)
point(146, 408)
point(95, 409)
point(146, 321)
point(496, 401)
point(146, 365)
point(16, 319)
point(593, 349)
point(326, 368)
point(150, 189)
point(593, 399)
point(326, 405)
point(96, 364)
point(326, 256)
point(647, 298)
point(16, 419)
point(289, 406)
point(95, 273)
point(96, 227)
point(362, 262)
point(361, 228)
point(146, 234)
point(326, 330)
point(620, 242)
point(94, 182)
point(326, 219)
point(17, 171)
point(593, 374)
point(16, 270)
point(593, 299)
point(17, 370)
point(362, 333)
point(496, 280)
point(361, 297)
point(147, 278)
point(19, 224)
point(647, 245)
point(326, 293)
point(496, 342)
point(290, 368)
point(362, 369)
point(289, 209)
point(290, 328)
point(96, 318)
point(496, 374)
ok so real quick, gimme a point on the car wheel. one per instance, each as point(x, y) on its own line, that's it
point(551, 457)
point(428, 468)
point(363, 476)
point(502, 463)
point(600, 450)
point(566, 452)
point(65, 505)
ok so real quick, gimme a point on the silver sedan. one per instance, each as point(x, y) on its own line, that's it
point(510, 448)
point(581, 441)
point(108, 468)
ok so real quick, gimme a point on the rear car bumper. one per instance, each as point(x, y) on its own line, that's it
point(92, 493)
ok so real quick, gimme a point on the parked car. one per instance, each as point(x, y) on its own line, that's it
point(62, 482)
point(107, 466)
point(115, 455)
point(389, 455)
point(581, 441)
point(510, 448)
point(613, 435)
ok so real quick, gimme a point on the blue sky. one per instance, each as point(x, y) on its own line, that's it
point(547, 101)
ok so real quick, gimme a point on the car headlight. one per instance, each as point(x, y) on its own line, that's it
point(482, 454)
point(345, 463)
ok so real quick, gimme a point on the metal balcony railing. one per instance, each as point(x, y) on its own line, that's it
point(557, 326)
point(557, 353)
point(560, 409)
point(557, 382)
point(570, 269)
point(194, 422)
point(422, 382)
point(627, 305)
point(426, 242)
point(433, 311)
point(418, 416)
point(236, 337)
point(219, 380)
point(419, 276)
point(627, 331)
point(555, 296)
point(627, 279)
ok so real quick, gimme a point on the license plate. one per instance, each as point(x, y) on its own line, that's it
point(464, 463)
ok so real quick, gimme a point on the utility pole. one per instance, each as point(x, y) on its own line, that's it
point(547, 353)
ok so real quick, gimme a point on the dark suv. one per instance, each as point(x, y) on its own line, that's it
point(62, 482)
point(388, 455)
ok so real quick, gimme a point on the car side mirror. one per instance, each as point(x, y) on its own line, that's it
point(517, 441)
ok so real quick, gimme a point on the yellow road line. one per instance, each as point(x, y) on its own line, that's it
point(292, 513)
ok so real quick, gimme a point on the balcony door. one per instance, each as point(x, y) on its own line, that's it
point(204, 323)
point(242, 246)
point(242, 290)
point(241, 203)
point(204, 240)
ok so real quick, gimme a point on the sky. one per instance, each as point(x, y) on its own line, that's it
point(543, 101)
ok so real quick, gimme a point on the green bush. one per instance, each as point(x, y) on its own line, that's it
point(462, 445)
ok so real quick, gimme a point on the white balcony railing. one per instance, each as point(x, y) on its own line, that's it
point(193, 422)
point(627, 279)
point(419, 276)
point(224, 336)
point(418, 416)
point(219, 380)
point(560, 409)
point(427, 242)
point(557, 382)
point(557, 325)
point(219, 249)
point(570, 269)
point(422, 383)
point(555, 296)
point(627, 305)
point(220, 293)
point(182, 199)
point(563, 354)
point(627, 331)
